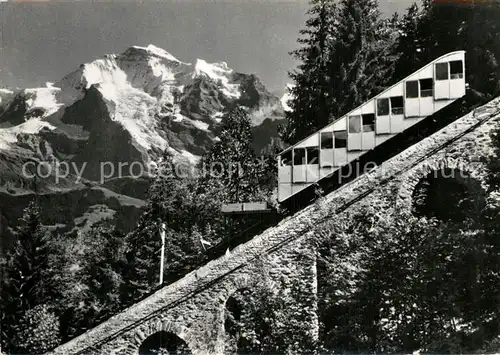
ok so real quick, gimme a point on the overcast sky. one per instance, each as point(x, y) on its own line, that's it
point(42, 42)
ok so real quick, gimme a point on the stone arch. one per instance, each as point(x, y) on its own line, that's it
point(242, 282)
point(235, 312)
point(448, 195)
point(158, 326)
point(239, 283)
point(245, 282)
point(168, 342)
point(409, 182)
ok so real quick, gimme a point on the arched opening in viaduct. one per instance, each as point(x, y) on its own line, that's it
point(237, 319)
point(448, 195)
point(162, 343)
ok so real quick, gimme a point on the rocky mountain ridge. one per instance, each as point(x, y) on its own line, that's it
point(122, 111)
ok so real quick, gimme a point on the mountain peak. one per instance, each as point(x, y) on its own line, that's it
point(120, 111)
point(149, 99)
point(150, 51)
point(220, 73)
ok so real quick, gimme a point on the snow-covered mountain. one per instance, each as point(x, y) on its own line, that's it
point(287, 96)
point(120, 109)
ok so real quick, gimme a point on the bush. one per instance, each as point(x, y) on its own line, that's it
point(38, 331)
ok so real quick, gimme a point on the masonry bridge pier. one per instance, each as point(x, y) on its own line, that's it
point(192, 310)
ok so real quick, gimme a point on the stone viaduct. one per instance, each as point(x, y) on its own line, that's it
point(193, 308)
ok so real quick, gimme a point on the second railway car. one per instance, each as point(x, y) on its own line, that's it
point(347, 138)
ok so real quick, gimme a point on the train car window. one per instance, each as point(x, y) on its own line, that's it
point(354, 124)
point(442, 71)
point(456, 69)
point(426, 87)
point(327, 140)
point(340, 139)
point(411, 89)
point(299, 156)
point(383, 107)
point(397, 105)
point(369, 123)
point(286, 158)
point(312, 155)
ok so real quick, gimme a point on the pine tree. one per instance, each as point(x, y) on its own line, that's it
point(170, 196)
point(28, 278)
point(269, 168)
point(348, 57)
point(412, 51)
point(230, 170)
point(101, 276)
point(362, 60)
point(171, 201)
point(231, 173)
point(441, 27)
point(311, 102)
point(481, 28)
point(143, 258)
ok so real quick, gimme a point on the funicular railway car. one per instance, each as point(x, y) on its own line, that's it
point(421, 94)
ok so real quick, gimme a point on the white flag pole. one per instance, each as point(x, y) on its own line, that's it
point(162, 259)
